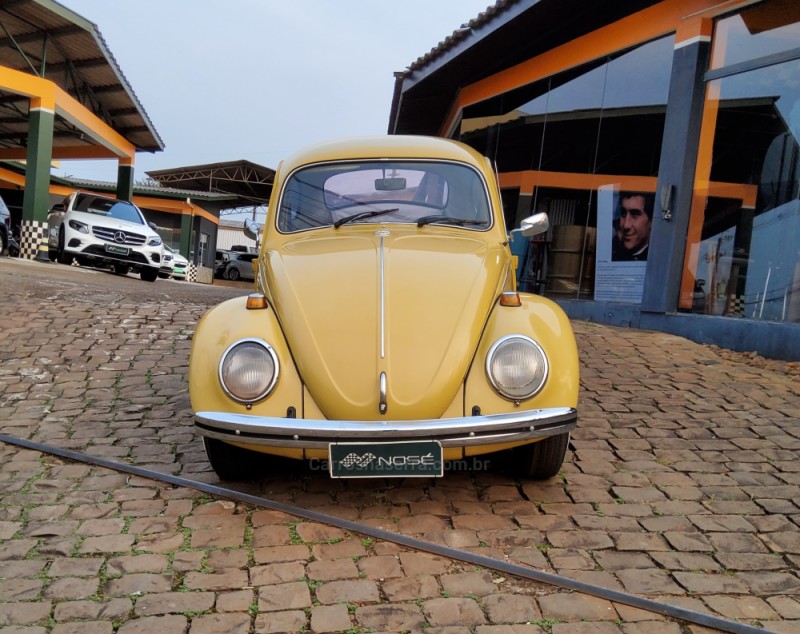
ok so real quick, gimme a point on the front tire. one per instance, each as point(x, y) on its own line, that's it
point(121, 269)
point(62, 256)
point(148, 274)
point(233, 274)
point(541, 460)
point(228, 461)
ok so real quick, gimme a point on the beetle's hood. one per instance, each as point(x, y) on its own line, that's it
point(354, 304)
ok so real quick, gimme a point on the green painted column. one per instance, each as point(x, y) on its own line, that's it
point(125, 182)
point(36, 200)
point(186, 234)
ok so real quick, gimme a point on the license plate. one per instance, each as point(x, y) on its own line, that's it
point(412, 459)
point(117, 250)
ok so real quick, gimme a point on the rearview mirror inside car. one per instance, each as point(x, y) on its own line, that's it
point(390, 184)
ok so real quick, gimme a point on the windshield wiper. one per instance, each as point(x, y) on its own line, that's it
point(363, 214)
point(451, 220)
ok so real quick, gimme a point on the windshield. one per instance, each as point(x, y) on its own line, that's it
point(119, 209)
point(384, 192)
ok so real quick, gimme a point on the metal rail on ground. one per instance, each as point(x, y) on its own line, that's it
point(490, 563)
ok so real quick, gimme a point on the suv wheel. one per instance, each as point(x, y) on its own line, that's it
point(62, 256)
point(233, 273)
point(121, 269)
point(148, 274)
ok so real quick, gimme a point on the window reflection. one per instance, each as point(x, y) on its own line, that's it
point(761, 30)
point(597, 127)
point(743, 251)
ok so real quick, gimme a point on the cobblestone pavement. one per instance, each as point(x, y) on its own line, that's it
point(682, 485)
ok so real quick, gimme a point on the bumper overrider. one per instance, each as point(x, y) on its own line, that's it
point(450, 432)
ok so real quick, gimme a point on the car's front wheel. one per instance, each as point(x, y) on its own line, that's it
point(233, 274)
point(541, 460)
point(228, 461)
point(63, 257)
point(148, 274)
point(121, 269)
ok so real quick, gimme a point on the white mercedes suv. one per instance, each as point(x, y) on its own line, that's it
point(98, 230)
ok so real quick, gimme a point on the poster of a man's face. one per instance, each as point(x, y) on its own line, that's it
point(633, 220)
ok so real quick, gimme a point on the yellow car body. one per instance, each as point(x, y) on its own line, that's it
point(370, 332)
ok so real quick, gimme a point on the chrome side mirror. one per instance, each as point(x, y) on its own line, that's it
point(251, 229)
point(535, 224)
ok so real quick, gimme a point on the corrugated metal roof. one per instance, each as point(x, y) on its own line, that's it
point(250, 181)
point(461, 33)
point(145, 190)
point(45, 38)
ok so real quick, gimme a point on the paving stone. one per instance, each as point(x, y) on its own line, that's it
point(355, 591)
point(330, 618)
point(108, 610)
point(284, 596)
point(24, 612)
point(85, 627)
point(464, 584)
point(73, 567)
point(172, 624)
point(231, 623)
point(511, 608)
point(19, 589)
point(72, 588)
point(331, 570)
point(739, 608)
point(453, 611)
point(224, 580)
point(235, 601)
point(423, 563)
point(391, 618)
point(575, 607)
point(279, 573)
point(137, 583)
point(174, 603)
point(411, 588)
point(380, 567)
point(771, 583)
point(281, 622)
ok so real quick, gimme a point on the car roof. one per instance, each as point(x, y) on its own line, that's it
point(387, 146)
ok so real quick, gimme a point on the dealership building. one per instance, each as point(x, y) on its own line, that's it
point(683, 112)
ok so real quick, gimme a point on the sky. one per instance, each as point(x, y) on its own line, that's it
point(259, 79)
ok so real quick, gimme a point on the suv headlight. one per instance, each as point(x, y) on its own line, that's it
point(154, 242)
point(79, 226)
point(248, 370)
point(517, 367)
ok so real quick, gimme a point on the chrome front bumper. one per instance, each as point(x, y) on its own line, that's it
point(450, 432)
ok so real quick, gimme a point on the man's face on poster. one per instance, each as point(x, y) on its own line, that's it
point(634, 223)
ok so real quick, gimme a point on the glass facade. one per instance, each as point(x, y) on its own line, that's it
point(585, 145)
point(580, 140)
point(743, 246)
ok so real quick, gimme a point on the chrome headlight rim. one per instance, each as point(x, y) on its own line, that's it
point(268, 389)
point(499, 388)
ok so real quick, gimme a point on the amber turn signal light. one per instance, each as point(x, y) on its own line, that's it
point(510, 298)
point(256, 301)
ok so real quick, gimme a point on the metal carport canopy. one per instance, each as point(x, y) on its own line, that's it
point(47, 41)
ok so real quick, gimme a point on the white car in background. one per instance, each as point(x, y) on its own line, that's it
point(174, 265)
point(99, 230)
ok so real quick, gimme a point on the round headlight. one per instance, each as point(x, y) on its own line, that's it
point(248, 370)
point(517, 367)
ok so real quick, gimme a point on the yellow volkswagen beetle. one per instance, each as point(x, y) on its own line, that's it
point(385, 336)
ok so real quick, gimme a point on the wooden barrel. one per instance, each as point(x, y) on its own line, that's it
point(570, 262)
